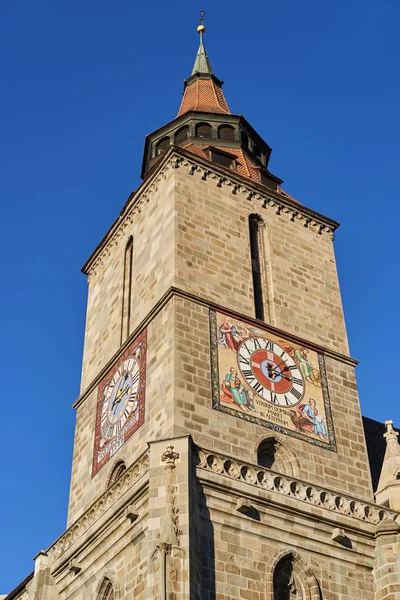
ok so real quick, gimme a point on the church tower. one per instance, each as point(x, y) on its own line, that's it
point(219, 448)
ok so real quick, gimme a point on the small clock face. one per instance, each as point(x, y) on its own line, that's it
point(120, 398)
point(120, 409)
point(270, 371)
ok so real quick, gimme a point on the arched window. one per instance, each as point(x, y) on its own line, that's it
point(226, 132)
point(106, 591)
point(162, 146)
point(182, 135)
point(255, 223)
point(286, 583)
point(127, 291)
point(203, 130)
point(117, 471)
point(266, 453)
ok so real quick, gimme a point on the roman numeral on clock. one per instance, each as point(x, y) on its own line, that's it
point(257, 387)
point(248, 374)
point(295, 393)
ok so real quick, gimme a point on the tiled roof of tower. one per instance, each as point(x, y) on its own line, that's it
point(245, 166)
point(203, 95)
point(203, 91)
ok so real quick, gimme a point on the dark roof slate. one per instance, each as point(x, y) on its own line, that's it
point(376, 447)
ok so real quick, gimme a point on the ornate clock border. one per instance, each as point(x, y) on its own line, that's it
point(120, 402)
point(270, 380)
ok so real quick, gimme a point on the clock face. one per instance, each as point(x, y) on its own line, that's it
point(270, 371)
point(120, 398)
point(120, 403)
point(261, 376)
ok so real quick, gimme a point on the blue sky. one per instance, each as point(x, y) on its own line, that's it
point(81, 84)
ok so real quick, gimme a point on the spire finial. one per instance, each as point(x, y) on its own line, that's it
point(390, 433)
point(201, 27)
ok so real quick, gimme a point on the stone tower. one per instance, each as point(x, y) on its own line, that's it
point(219, 448)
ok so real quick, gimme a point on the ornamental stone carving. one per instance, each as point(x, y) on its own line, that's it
point(288, 486)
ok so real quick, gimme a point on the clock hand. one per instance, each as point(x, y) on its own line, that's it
point(118, 397)
point(280, 372)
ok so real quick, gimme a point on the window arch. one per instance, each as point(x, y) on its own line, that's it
point(277, 455)
point(182, 134)
point(267, 453)
point(203, 130)
point(286, 584)
point(127, 290)
point(162, 145)
point(117, 471)
point(226, 132)
point(106, 591)
point(255, 223)
point(288, 577)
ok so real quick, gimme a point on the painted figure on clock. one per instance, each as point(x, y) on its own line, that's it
point(261, 377)
point(120, 404)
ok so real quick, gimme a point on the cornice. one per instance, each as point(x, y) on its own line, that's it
point(176, 158)
point(134, 205)
point(254, 191)
point(172, 292)
point(278, 484)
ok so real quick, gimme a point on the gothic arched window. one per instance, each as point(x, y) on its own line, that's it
point(106, 591)
point(266, 453)
point(286, 584)
point(127, 290)
point(117, 471)
point(255, 223)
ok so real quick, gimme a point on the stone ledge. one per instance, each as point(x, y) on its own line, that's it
point(278, 483)
point(102, 505)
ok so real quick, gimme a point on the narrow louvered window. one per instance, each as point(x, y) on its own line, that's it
point(226, 132)
point(223, 159)
point(203, 130)
point(127, 291)
point(254, 228)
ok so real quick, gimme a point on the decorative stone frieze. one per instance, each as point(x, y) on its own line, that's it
point(282, 205)
point(174, 160)
point(287, 486)
point(102, 504)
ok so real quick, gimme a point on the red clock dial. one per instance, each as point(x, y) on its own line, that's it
point(270, 371)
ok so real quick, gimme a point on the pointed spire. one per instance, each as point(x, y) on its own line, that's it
point(389, 480)
point(202, 63)
point(203, 90)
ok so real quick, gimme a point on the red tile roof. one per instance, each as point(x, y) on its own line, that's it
point(203, 95)
point(245, 166)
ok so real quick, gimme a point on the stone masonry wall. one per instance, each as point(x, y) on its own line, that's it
point(153, 229)
point(346, 470)
point(158, 418)
point(301, 292)
point(240, 552)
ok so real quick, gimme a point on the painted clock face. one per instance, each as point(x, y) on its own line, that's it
point(120, 402)
point(120, 398)
point(270, 371)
